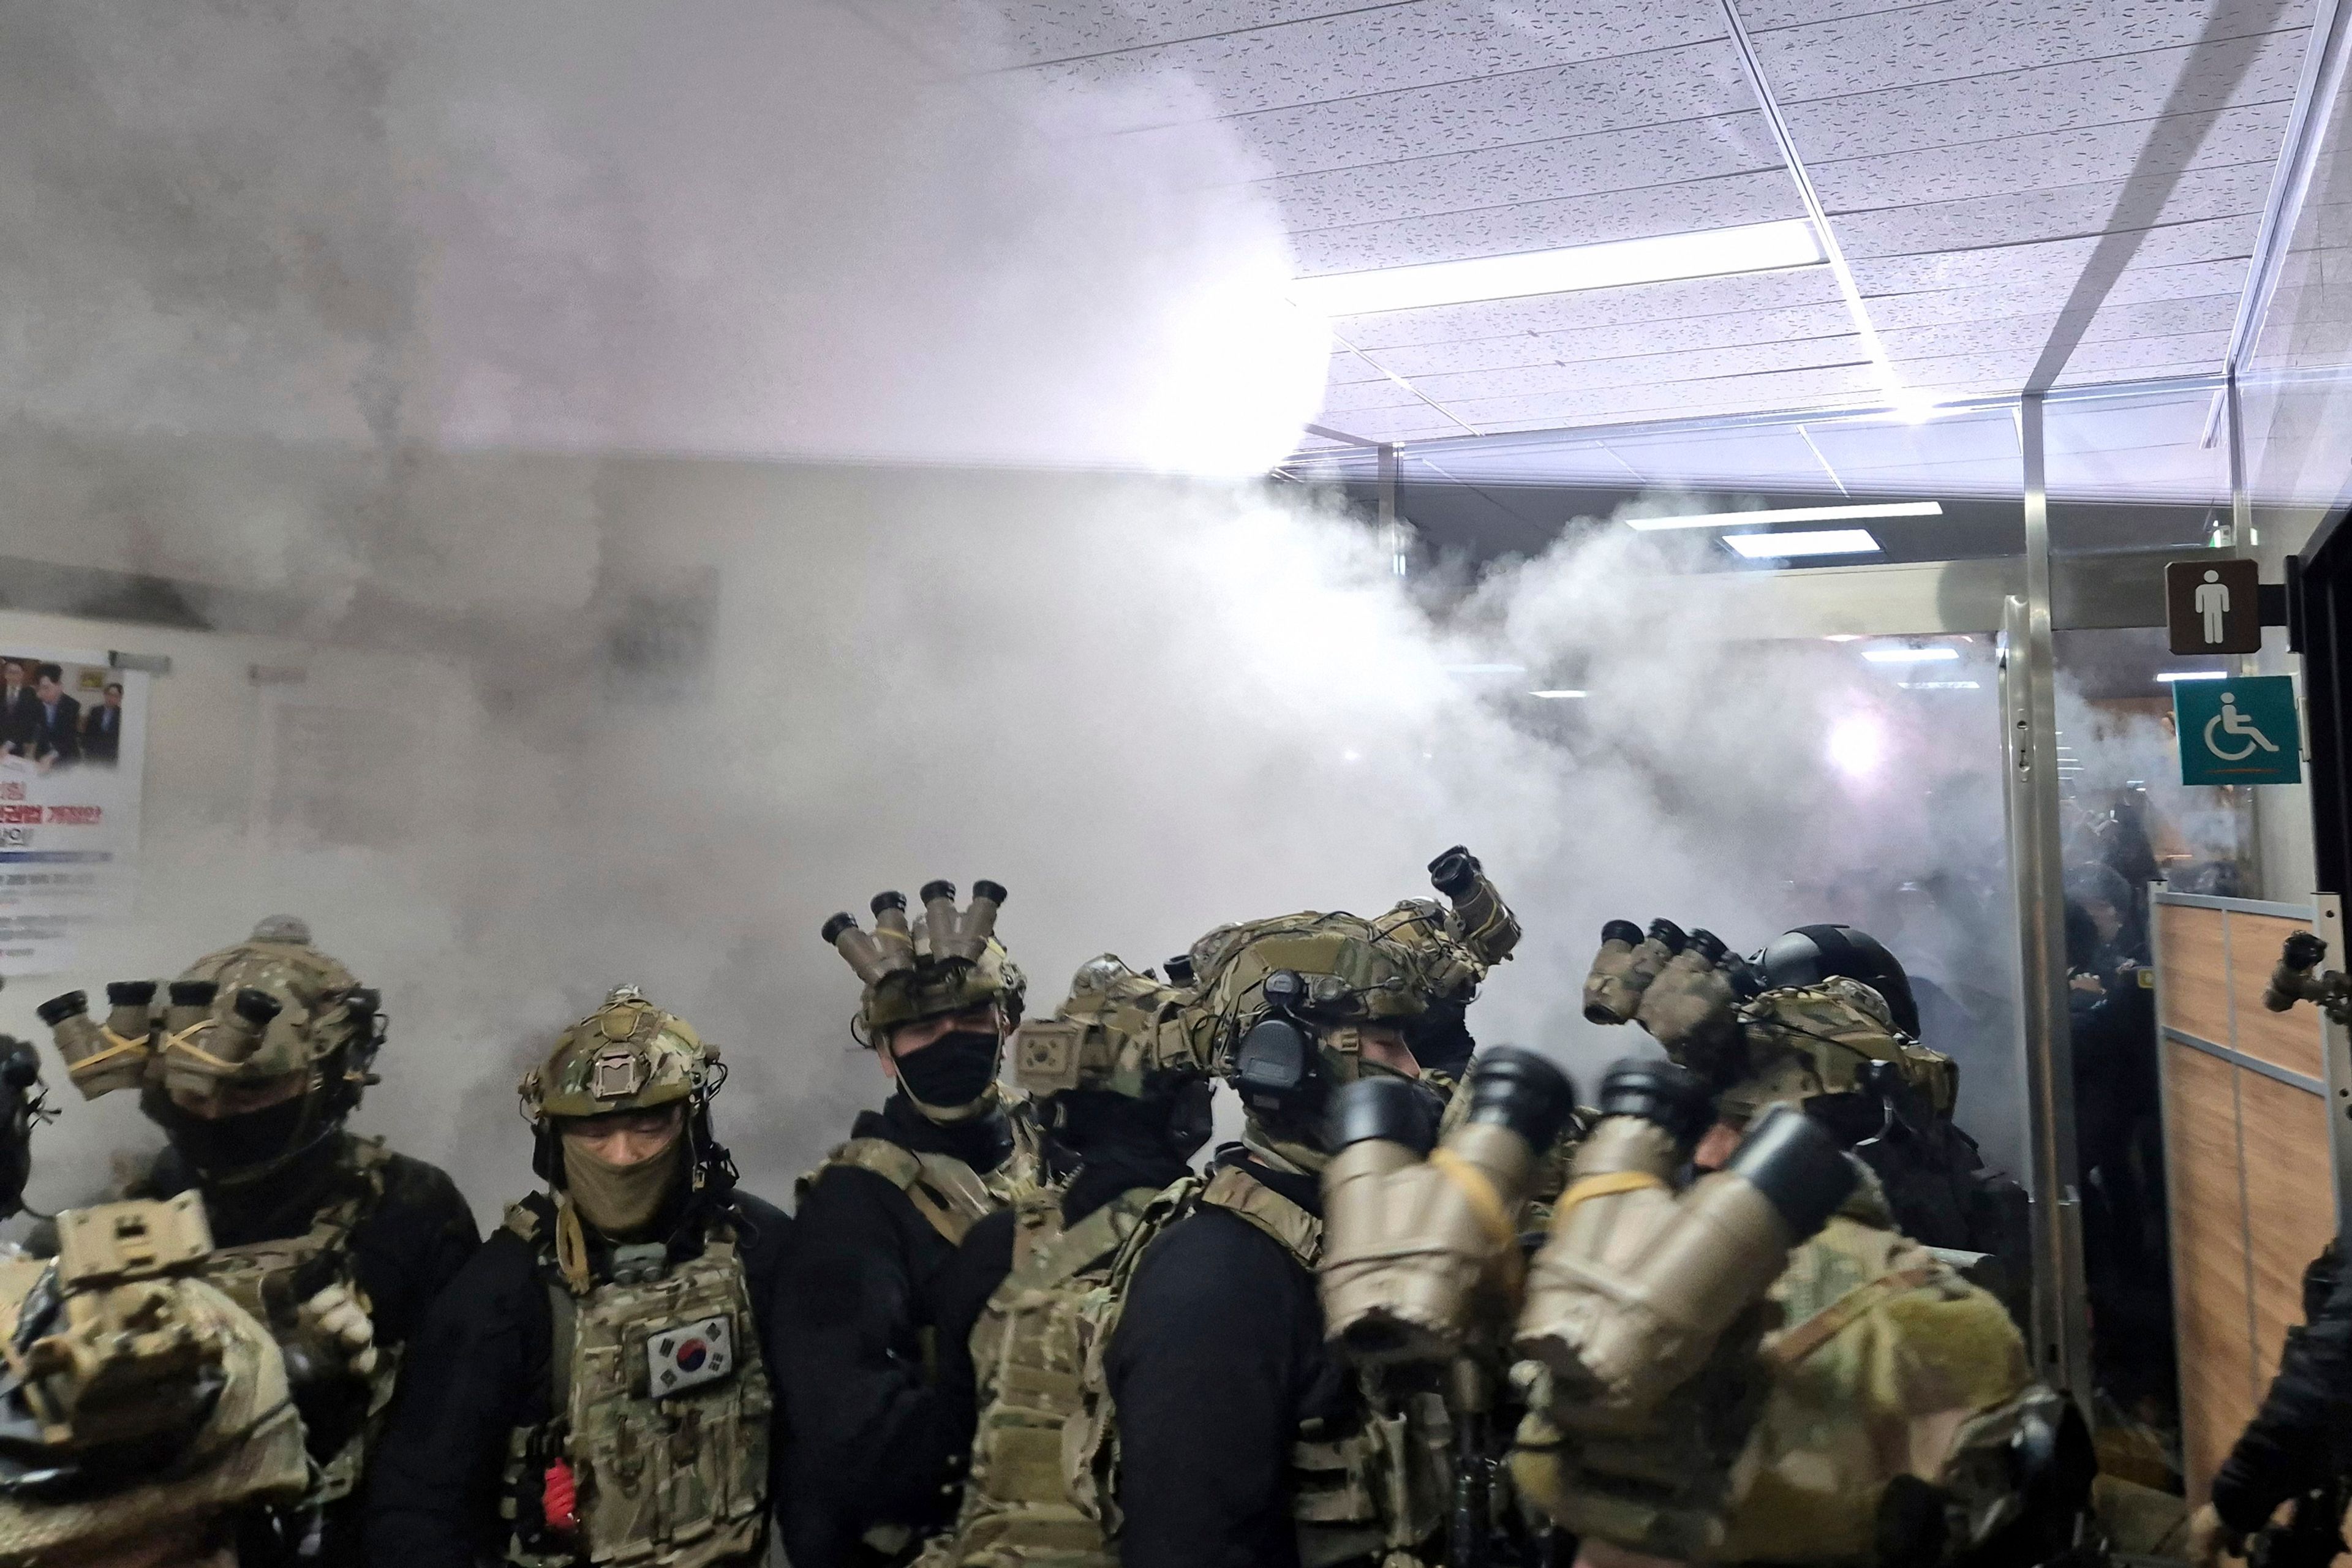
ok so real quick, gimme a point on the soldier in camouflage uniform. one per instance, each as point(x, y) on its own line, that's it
point(1240, 1438)
point(251, 1065)
point(872, 1447)
point(1122, 1093)
point(142, 1413)
point(1879, 1409)
point(594, 1387)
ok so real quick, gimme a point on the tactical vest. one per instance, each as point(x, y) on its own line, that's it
point(1035, 1493)
point(1044, 1482)
point(149, 1330)
point(271, 1280)
point(1888, 1362)
point(1375, 1483)
point(660, 1412)
point(950, 1195)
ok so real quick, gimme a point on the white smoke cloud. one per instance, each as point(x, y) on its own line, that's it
point(364, 309)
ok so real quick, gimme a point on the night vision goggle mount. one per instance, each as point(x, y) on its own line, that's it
point(2292, 981)
point(195, 1048)
point(890, 948)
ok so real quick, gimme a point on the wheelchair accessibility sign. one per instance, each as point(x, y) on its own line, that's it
point(2238, 731)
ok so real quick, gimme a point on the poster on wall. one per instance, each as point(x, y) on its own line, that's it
point(73, 748)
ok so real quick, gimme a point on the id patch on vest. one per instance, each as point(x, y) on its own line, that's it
point(688, 1355)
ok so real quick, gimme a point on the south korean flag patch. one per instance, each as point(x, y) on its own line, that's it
point(688, 1355)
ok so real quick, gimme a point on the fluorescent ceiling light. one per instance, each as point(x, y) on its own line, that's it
point(1555, 696)
point(1790, 514)
point(1940, 685)
point(1789, 546)
point(1910, 655)
point(1709, 253)
point(2192, 675)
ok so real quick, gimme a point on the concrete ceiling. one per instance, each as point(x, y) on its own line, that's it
point(2026, 191)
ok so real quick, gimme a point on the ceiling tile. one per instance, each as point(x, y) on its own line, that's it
point(1350, 398)
point(2161, 318)
point(1780, 389)
point(1690, 83)
point(1474, 387)
point(1762, 456)
point(1390, 48)
point(1417, 423)
point(2122, 357)
point(2047, 161)
point(2059, 261)
point(1347, 367)
point(2238, 191)
point(1766, 16)
point(1688, 334)
point(1541, 225)
point(1922, 43)
point(1040, 30)
point(1593, 307)
point(1986, 302)
point(1565, 166)
point(2233, 72)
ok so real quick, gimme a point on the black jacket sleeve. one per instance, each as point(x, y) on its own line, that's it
point(475, 1369)
point(961, 1296)
point(1207, 1372)
point(412, 1246)
point(2298, 1435)
point(867, 1439)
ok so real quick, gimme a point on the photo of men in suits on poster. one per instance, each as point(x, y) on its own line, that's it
point(72, 748)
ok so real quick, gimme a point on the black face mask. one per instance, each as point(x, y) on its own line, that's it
point(952, 1071)
point(229, 1145)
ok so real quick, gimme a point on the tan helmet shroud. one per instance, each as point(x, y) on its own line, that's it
point(951, 964)
point(628, 1054)
point(268, 1008)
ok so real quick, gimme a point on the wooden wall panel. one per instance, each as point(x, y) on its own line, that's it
point(2209, 1256)
point(2289, 1040)
point(2193, 992)
point(2289, 1202)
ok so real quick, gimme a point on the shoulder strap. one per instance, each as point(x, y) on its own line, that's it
point(943, 1188)
point(894, 1164)
point(563, 1331)
point(1235, 1190)
point(1797, 1343)
point(1063, 1257)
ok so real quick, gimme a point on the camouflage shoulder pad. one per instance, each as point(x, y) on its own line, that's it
point(901, 1168)
point(525, 1220)
point(1300, 1234)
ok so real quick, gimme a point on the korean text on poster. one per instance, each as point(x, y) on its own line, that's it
point(73, 741)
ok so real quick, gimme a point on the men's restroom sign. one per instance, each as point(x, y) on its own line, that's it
point(2213, 606)
point(2238, 731)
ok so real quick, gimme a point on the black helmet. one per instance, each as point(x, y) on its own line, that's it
point(1811, 955)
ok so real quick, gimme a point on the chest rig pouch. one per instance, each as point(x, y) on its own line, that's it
point(1036, 1493)
point(661, 1410)
point(341, 1414)
point(1374, 1482)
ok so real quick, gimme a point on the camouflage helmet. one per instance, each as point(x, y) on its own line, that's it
point(1126, 1033)
point(1804, 1041)
point(628, 1054)
point(270, 1008)
point(951, 963)
point(1282, 1004)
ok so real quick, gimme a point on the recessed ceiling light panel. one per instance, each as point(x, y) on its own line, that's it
point(1790, 514)
point(1659, 258)
point(1794, 546)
